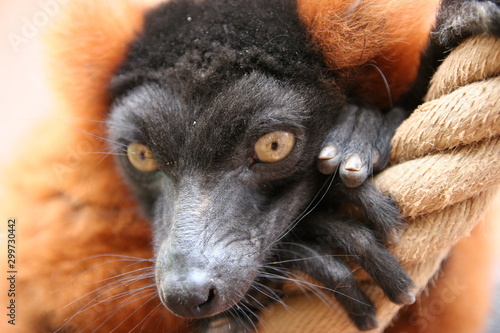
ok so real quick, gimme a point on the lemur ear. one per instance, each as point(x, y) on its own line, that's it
point(85, 44)
point(391, 34)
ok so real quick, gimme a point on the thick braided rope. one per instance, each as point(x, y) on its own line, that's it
point(446, 170)
point(448, 151)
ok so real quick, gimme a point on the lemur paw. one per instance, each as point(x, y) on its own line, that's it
point(458, 20)
point(358, 144)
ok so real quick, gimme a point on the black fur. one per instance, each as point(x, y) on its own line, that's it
point(199, 87)
point(460, 19)
point(456, 21)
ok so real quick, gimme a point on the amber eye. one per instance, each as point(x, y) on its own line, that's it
point(274, 147)
point(141, 157)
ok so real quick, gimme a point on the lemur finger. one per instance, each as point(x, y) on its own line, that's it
point(360, 152)
point(331, 153)
point(390, 122)
point(359, 242)
point(381, 211)
point(336, 275)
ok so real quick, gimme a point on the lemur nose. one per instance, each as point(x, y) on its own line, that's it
point(190, 296)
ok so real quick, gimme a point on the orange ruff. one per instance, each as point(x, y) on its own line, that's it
point(391, 34)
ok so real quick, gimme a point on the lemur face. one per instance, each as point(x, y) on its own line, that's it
point(229, 176)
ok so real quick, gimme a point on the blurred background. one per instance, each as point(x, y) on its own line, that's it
point(24, 98)
point(23, 94)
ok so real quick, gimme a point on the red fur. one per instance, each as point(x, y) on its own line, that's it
point(385, 33)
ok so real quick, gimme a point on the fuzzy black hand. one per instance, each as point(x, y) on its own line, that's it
point(326, 232)
point(460, 19)
point(359, 143)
